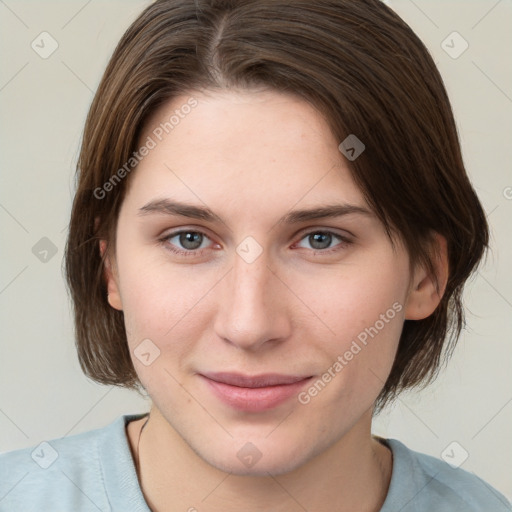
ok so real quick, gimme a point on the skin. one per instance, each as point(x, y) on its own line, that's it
point(251, 157)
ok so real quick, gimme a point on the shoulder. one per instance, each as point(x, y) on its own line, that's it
point(68, 471)
point(420, 482)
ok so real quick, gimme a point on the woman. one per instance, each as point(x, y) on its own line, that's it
point(271, 233)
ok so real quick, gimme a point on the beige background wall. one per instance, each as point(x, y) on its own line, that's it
point(43, 103)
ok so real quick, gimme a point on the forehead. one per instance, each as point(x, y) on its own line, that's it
point(257, 149)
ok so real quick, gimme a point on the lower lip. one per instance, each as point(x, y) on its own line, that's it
point(255, 399)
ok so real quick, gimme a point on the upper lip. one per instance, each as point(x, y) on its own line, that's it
point(253, 381)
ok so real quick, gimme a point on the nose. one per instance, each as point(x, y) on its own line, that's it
point(252, 312)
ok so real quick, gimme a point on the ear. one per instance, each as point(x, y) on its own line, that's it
point(110, 273)
point(423, 296)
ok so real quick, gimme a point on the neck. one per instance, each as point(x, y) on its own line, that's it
point(353, 474)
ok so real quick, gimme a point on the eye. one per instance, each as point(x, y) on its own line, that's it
point(191, 242)
point(321, 241)
point(185, 242)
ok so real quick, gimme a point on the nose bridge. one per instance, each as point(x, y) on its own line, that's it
point(250, 279)
point(247, 316)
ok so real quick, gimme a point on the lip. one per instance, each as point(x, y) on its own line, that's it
point(255, 393)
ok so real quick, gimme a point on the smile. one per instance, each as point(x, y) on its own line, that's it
point(254, 393)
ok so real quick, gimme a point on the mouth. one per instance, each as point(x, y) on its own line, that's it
point(254, 393)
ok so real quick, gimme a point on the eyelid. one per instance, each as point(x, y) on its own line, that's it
point(342, 233)
point(170, 232)
point(303, 232)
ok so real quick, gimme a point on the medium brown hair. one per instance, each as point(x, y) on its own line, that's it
point(357, 63)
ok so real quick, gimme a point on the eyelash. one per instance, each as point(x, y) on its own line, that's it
point(344, 242)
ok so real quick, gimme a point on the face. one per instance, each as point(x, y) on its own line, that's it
point(261, 334)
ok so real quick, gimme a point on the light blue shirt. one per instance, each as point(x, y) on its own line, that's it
point(94, 471)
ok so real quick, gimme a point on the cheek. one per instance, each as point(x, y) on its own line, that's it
point(160, 300)
point(364, 311)
point(161, 309)
point(353, 297)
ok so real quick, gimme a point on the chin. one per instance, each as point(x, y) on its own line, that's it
point(261, 458)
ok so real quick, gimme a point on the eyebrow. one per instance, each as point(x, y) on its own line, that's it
point(169, 207)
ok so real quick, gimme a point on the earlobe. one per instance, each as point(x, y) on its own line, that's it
point(427, 290)
point(110, 274)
